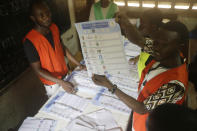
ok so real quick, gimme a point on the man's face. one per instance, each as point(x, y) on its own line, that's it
point(104, 3)
point(165, 44)
point(41, 15)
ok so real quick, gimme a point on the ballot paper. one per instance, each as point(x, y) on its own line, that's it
point(109, 102)
point(83, 82)
point(38, 124)
point(101, 120)
point(131, 50)
point(133, 94)
point(102, 47)
point(125, 82)
point(65, 105)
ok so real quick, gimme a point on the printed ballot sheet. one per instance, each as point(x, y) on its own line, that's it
point(110, 102)
point(131, 50)
point(102, 47)
point(100, 120)
point(65, 105)
point(38, 124)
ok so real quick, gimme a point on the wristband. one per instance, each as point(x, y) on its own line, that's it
point(113, 89)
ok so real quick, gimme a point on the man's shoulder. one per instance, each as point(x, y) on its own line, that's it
point(27, 42)
point(31, 33)
point(54, 27)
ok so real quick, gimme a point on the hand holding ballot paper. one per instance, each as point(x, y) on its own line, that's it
point(103, 51)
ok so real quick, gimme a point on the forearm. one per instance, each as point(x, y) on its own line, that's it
point(134, 35)
point(47, 75)
point(136, 106)
point(132, 103)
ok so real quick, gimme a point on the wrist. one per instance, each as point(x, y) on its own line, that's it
point(113, 89)
point(109, 85)
point(60, 82)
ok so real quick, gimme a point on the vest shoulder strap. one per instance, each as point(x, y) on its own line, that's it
point(111, 11)
point(97, 11)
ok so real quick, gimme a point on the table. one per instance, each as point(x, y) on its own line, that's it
point(120, 117)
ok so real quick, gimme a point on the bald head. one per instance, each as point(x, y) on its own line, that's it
point(150, 21)
point(105, 3)
point(36, 4)
point(40, 14)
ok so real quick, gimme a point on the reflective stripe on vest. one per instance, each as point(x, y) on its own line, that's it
point(141, 62)
point(178, 73)
point(99, 14)
point(51, 59)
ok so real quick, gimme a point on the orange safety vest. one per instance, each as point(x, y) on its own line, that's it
point(51, 59)
point(179, 73)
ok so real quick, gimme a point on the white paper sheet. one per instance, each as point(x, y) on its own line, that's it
point(109, 102)
point(84, 83)
point(38, 124)
point(65, 105)
point(101, 120)
point(102, 47)
point(73, 101)
point(131, 49)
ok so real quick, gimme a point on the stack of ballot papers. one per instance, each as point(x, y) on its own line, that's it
point(83, 82)
point(111, 102)
point(101, 120)
point(65, 105)
point(124, 82)
point(38, 124)
point(128, 92)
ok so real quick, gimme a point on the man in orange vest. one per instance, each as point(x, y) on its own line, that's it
point(164, 79)
point(45, 52)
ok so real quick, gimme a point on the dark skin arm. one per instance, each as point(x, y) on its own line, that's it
point(135, 105)
point(129, 30)
point(67, 86)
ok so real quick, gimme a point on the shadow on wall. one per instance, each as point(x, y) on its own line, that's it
point(23, 98)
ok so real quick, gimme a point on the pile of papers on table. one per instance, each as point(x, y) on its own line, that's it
point(100, 120)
